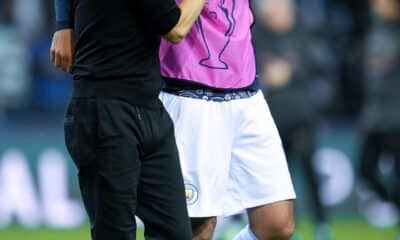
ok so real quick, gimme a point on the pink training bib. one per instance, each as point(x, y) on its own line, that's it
point(218, 52)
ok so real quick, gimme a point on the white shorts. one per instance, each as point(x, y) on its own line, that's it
point(231, 154)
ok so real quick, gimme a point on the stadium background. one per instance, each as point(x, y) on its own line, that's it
point(39, 196)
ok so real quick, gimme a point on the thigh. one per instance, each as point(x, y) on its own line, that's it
point(118, 155)
point(106, 153)
point(79, 130)
point(204, 137)
point(203, 228)
point(259, 172)
point(161, 193)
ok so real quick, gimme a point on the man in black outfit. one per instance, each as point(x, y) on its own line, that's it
point(381, 118)
point(116, 129)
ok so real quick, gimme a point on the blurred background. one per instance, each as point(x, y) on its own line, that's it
point(330, 70)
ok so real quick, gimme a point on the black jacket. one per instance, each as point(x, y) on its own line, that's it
point(293, 102)
point(381, 110)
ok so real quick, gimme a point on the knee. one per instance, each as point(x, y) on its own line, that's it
point(284, 232)
point(203, 228)
point(277, 231)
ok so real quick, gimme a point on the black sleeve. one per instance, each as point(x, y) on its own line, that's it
point(64, 14)
point(162, 15)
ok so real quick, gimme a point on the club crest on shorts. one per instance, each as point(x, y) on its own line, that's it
point(192, 194)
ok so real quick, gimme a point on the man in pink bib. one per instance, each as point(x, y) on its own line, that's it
point(230, 150)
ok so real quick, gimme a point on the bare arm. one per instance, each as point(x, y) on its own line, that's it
point(169, 19)
point(190, 11)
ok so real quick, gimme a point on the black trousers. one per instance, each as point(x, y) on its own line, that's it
point(373, 145)
point(299, 141)
point(128, 165)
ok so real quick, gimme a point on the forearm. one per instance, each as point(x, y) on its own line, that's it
point(190, 11)
point(64, 14)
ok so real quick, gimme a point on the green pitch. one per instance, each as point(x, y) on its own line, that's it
point(342, 230)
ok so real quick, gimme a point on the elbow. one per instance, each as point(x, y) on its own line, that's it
point(176, 39)
point(176, 35)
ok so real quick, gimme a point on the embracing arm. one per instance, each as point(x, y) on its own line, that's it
point(190, 11)
point(172, 21)
point(61, 52)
